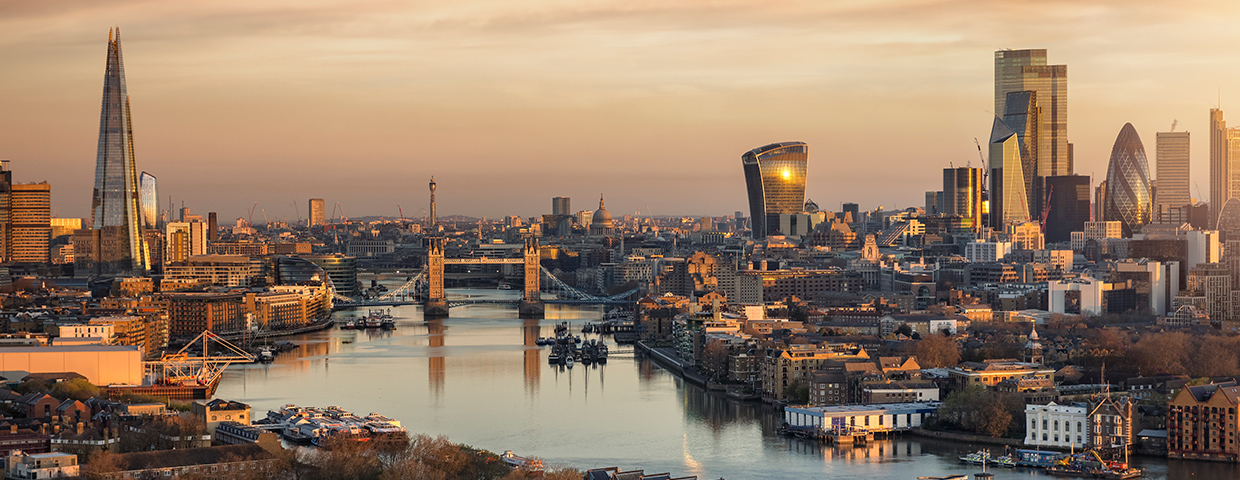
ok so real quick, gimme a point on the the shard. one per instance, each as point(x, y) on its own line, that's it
point(1128, 183)
point(116, 206)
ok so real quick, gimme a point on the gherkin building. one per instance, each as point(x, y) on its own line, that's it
point(1128, 198)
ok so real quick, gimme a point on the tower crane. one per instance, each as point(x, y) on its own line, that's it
point(249, 221)
point(402, 214)
point(1046, 207)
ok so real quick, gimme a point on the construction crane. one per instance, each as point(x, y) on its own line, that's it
point(181, 369)
point(1046, 207)
point(402, 214)
point(249, 221)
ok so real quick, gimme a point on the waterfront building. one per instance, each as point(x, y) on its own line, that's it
point(962, 195)
point(871, 418)
point(1009, 198)
point(1027, 71)
point(797, 363)
point(1128, 183)
point(1054, 425)
point(29, 229)
point(216, 270)
point(318, 213)
point(775, 179)
point(340, 269)
point(119, 247)
point(1202, 423)
point(1069, 206)
point(1172, 171)
point(218, 411)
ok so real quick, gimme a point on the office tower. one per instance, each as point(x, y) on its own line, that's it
point(148, 189)
point(962, 194)
point(1100, 197)
point(318, 213)
point(561, 206)
point(1069, 206)
point(775, 178)
point(30, 222)
point(1009, 201)
point(1022, 114)
point(65, 226)
point(932, 202)
point(1026, 70)
point(183, 239)
point(1171, 165)
point(1218, 164)
point(6, 188)
point(1128, 182)
point(213, 227)
point(119, 247)
point(1229, 220)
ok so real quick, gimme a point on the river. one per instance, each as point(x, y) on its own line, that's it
point(478, 378)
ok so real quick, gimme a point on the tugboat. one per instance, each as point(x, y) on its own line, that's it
point(266, 355)
point(349, 324)
point(388, 323)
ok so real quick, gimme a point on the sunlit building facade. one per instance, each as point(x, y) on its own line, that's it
point(1128, 183)
point(775, 178)
point(1009, 201)
point(116, 213)
point(1026, 70)
point(962, 195)
point(1219, 166)
point(30, 222)
point(150, 200)
point(1171, 171)
point(318, 212)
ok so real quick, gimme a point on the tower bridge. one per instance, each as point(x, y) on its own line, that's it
point(427, 287)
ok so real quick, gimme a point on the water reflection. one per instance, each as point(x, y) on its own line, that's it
point(436, 331)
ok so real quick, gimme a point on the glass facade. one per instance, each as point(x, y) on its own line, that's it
point(1008, 197)
point(1171, 164)
point(1070, 205)
point(775, 178)
point(115, 210)
point(1022, 115)
point(1026, 70)
point(962, 195)
point(1128, 183)
point(150, 200)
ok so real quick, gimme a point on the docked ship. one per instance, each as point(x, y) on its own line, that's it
point(317, 426)
point(180, 376)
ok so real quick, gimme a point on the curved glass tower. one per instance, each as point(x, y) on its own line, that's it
point(1128, 197)
point(119, 248)
point(149, 200)
point(775, 179)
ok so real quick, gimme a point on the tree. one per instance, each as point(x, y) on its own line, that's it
point(905, 330)
point(98, 464)
point(715, 358)
point(936, 351)
point(797, 392)
point(77, 389)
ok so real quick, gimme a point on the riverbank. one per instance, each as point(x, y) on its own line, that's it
point(668, 359)
point(971, 438)
point(313, 327)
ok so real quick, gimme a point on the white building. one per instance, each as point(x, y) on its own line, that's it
point(94, 330)
point(43, 465)
point(885, 417)
point(1056, 425)
point(986, 251)
point(1087, 302)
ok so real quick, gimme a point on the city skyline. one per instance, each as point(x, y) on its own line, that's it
point(503, 132)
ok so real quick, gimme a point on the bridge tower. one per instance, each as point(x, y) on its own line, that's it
point(436, 301)
point(531, 301)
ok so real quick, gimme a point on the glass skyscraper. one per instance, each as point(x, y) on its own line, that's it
point(119, 247)
point(150, 200)
point(1026, 70)
point(1128, 183)
point(775, 178)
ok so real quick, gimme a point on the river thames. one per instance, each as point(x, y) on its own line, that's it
point(478, 378)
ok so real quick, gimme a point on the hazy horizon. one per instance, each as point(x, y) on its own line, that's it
point(648, 103)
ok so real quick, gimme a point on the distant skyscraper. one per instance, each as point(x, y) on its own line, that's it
point(1026, 70)
point(30, 222)
point(149, 189)
point(1171, 166)
point(1009, 201)
point(1022, 114)
point(775, 178)
point(561, 206)
point(116, 213)
point(1218, 164)
point(1128, 182)
point(962, 194)
point(213, 226)
point(318, 213)
point(1070, 206)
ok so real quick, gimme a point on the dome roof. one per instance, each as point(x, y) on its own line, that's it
point(602, 218)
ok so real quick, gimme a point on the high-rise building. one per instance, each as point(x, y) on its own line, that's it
point(1128, 182)
point(184, 239)
point(1219, 165)
point(962, 194)
point(30, 222)
point(561, 206)
point(1171, 166)
point(6, 192)
point(1026, 70)
point(1009, 202)
point(116, 214)
point(1022, 114)
point(148, 188)
point(1069, 206)
point(213, 227)
point(318, 213)
point(775, 178)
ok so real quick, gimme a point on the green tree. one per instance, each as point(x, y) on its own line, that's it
point(934, 351)
point(77, 389)
point(797, 392)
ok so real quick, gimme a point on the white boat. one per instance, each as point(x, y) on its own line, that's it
point(569, 362)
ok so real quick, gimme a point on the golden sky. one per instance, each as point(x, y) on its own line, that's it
point(509, 103)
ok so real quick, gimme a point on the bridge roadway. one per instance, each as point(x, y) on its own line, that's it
point(463, 302)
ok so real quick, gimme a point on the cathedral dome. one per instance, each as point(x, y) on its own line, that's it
point(600, 224)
